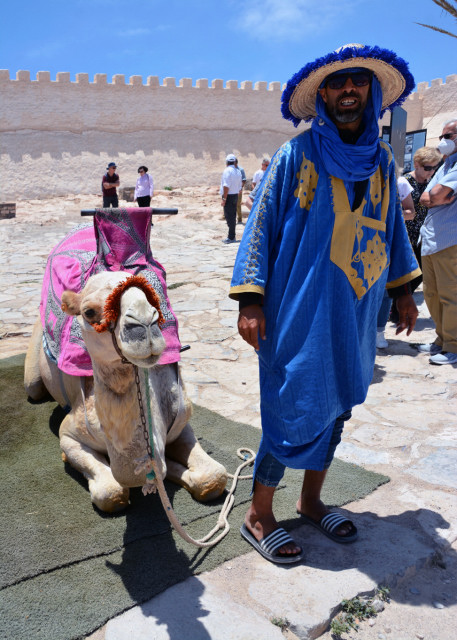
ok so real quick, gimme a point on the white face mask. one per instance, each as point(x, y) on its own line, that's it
point(446, 147)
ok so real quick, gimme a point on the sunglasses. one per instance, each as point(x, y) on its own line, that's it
point(428, 167)
point(359, 79)
point(448, 136)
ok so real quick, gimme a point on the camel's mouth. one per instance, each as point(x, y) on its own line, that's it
point(143, 363)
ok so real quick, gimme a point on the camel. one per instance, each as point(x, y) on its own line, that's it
point(102, 435)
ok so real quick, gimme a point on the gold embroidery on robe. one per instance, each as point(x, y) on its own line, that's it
point(307, 183)
point(359, 253)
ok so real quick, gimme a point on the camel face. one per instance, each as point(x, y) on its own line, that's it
point(137, 331)
point(102, 435)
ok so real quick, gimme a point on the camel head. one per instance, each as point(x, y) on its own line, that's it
point(128, 303)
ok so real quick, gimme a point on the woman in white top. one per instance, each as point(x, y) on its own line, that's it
point(258, 175)
point(404, 191)
point(144, 188)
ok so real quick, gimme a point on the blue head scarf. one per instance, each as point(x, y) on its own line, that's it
point(350, 162)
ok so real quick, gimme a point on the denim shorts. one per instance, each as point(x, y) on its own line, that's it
point(270, 471)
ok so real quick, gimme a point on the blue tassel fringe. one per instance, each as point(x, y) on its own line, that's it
point(386, 55)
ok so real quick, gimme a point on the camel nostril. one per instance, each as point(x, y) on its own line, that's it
point(133, 333)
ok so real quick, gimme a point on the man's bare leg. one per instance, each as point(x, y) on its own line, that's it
point(260, 519)
point(310, 503)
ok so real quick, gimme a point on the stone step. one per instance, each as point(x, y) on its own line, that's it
point(249, 598)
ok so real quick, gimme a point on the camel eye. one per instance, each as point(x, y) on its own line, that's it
point(90, 314)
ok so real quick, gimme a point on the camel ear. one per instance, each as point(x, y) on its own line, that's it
point(71, 303)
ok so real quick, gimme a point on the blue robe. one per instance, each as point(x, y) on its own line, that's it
point(322, 270)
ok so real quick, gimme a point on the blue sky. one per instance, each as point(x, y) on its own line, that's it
point(233, 40)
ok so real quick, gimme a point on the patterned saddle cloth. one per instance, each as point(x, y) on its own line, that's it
point(114, 242)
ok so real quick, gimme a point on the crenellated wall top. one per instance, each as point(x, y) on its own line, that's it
point(437, 82)
point(101, 79)
point(153, 82)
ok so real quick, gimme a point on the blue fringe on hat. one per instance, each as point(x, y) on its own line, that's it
point(386, 55)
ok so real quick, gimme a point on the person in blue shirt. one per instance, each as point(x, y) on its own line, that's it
point(439, 251)
point(324, 238)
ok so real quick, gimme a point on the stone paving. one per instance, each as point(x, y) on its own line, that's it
point(406, 429)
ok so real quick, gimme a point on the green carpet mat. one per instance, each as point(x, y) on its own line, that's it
point(66, 568)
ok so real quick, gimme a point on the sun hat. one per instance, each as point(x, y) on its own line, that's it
point(230, 158)
point(299, 97)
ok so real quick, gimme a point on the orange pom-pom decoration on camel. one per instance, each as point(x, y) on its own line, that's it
point(113, 302)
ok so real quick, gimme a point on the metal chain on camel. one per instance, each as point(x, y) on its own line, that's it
point(157, 483)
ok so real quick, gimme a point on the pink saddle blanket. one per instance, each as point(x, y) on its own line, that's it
point(118, 240)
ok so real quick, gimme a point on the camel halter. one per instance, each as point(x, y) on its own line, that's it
point(147, 463)
point(155, 483)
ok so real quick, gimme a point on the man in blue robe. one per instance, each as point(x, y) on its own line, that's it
point(324, 238)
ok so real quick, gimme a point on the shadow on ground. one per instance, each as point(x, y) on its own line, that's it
point(388, 547)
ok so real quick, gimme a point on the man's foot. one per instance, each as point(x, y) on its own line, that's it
point(270, 546)
point(430, 348)
point(445, 357)
point(329, 524)
point(260, 528)
point(315, 511)
point(228, 240)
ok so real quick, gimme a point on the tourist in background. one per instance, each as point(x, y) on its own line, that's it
point(251, 197)
point(426, 162)
point(230, 188)
point(407, 204)
point(258, 175)
point(239, 215)
point(439, 251)
point(144, 188)
point(109, 183)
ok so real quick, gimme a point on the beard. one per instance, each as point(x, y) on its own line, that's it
point(346, 115)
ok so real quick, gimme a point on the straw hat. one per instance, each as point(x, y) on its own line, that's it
point(299, 97)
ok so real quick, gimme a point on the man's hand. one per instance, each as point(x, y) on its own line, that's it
point(251, 325)
point(407, 312)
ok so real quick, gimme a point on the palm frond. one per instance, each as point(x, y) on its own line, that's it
point(448, 33)
point(447, 6)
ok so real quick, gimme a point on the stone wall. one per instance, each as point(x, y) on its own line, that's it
point(433, 104)
point(56, 137)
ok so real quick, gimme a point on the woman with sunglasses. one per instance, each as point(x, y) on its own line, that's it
point(144, 188)
point(426, 162)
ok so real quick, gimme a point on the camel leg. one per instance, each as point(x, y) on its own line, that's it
point(33, 383)
point(107, 494)
point(191, 467)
